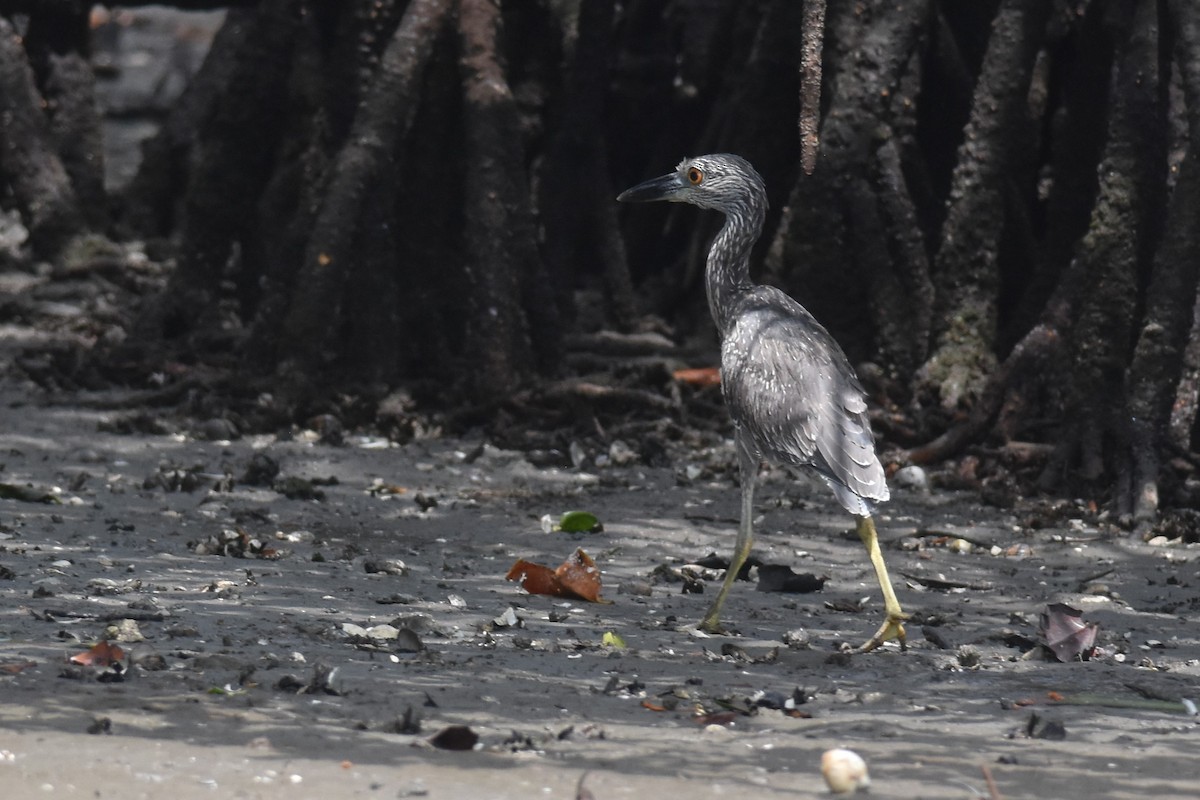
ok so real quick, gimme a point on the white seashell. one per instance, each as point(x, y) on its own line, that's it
point(844, 771)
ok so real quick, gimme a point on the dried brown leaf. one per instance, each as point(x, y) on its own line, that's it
point(577, 578)
point(102, 654)
point(1063, 630)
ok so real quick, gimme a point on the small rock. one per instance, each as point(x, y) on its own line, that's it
point(383, 632)
point(415, 622)
point(148, 660)
point(579, 456)
point(407, 641)
point(126, 630)
point(797, 639)
point(261, 471)
point(219, 429)
point(621, 454)
point(100, 725)
point(913, 478)
point(387, 566)
point(508, 619)
point(105, 587)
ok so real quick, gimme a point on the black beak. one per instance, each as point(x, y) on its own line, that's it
point(662, 188)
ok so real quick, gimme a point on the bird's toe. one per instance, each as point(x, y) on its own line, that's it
point(892, 628)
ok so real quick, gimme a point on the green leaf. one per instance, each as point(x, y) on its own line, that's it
point(613, 639)
point(579, 522)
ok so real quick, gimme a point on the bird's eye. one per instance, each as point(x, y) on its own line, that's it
point(694, 176)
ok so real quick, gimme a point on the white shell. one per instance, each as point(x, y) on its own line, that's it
point(844, 771)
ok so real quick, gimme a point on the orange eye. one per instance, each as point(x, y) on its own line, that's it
point(694, 176)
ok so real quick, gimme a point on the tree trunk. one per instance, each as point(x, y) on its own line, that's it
point(966, 271)
point(579, 220)
point(236, 147)
point(1158, 356)
point(315, 313)
point(29, 163)
point(1113, 253)
point(497, 202)
point(835, 256)
point(367, 195)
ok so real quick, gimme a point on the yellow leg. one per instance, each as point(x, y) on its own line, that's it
point(893, 623)
point(748, 469)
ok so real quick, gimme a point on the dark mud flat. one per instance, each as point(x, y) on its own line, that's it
point(257, 670)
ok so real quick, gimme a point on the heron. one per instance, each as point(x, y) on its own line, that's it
point(793, 396)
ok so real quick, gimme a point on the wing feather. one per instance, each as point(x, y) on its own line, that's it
point(790, 387)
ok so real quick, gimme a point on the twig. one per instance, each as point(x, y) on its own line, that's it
point(993, 791)
point(1085, 581)
point(1029, 351)
point(934, 533)
point(105, 616)
point(601, 393)
point(582, 793)
point(810, 82)
point(1180, 706)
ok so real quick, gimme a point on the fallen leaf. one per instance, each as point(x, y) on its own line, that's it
point(580, 522)
point(1063, 630)
point(714, 561)
point(102, 654)
point(612, 639)
point(455, 737)
point(1043, 728)
point(16, 667)
point(781, 578)
point(580, 575)
point(577, 578)
point(535, 578)
point(650, 705)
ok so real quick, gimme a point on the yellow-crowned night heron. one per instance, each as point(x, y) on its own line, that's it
point(793, 396)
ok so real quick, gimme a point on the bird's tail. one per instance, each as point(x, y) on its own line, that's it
point(856, 504)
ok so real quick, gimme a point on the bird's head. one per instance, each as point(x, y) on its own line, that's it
point(721, 181)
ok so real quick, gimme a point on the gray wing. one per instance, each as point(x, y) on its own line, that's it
point(789, 386)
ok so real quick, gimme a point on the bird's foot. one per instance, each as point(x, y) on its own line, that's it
point(892, 628)
point(712, 624)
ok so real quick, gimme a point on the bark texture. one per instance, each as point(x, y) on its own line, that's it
point(966, 270)
point(990, 205)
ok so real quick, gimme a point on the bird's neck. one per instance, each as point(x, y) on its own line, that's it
point(727, 276)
